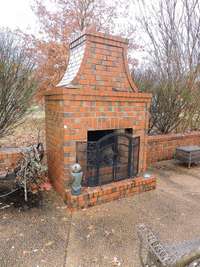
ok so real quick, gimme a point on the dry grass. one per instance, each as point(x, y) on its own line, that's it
point(27, 133)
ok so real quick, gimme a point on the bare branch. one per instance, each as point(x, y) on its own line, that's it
point(173, 30)
point(17, 82)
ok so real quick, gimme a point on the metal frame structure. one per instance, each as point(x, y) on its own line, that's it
point(154, 253)
point(26, 172)
point(112, 158)
point(188, 154)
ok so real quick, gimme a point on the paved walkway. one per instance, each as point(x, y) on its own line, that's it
point(103, 236)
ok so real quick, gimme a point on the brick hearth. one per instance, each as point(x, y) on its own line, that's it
point(96, 93)
point(92, 196)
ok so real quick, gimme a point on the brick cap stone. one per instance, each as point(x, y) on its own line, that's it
point(105, 37)
point(73, 93)
point(172, 136)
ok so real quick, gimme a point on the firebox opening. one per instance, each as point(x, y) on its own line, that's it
point(94, 136)
point(108, 155)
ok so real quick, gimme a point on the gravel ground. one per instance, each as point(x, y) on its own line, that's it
point(45, 234)
point(105, 236)
point(35, 235)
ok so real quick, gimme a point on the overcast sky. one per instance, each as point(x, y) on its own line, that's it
point(17, 13)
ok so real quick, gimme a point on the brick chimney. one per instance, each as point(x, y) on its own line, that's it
point(95, 97)
point(99, 62)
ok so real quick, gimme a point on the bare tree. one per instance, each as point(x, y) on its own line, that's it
point(173, 29)
point(60, 19)
point(17, 82)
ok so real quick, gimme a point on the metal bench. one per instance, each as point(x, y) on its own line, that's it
point(153, 253)
point(188, 154)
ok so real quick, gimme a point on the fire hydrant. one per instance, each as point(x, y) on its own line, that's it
point(77, 175)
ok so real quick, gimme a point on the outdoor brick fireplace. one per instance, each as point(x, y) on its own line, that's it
point(97, 117)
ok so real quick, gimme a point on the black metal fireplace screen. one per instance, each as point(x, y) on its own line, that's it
point(114, 157)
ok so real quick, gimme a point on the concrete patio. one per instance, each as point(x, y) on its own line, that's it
point(47, 235)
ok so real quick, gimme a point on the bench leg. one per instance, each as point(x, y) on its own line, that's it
point(190, 160)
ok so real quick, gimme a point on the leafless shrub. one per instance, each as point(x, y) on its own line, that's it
point(17, 82)
point(173, 29)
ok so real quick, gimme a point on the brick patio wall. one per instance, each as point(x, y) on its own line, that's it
point(162, 147)
point(8, 158)
point(159, 147)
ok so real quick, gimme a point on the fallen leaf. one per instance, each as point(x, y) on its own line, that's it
point(90, 227)
point(64, 219)
point(116, 262)
point(49, 243)
point(5, 207)
point(88, 236)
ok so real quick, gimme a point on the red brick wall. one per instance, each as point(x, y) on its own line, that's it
point(104, 65)
point(55, 142)
point(159, 147)
point(8, 158)
point(70, 113)
point(162, 147)
point(98, 195)
point(96, 93)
